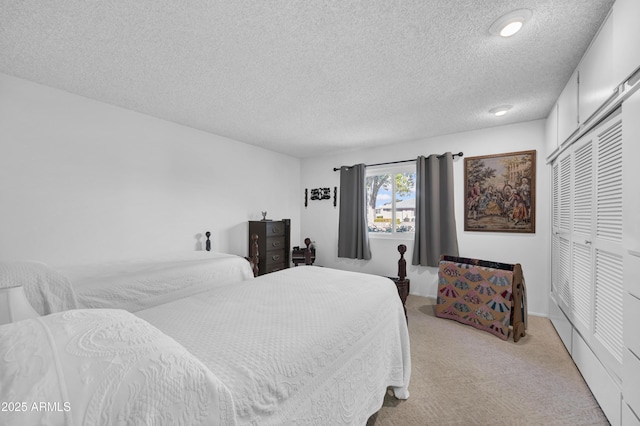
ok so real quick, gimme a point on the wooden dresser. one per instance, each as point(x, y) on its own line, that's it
point(274, 248)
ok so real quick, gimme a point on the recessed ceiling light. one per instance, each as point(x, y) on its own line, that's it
point(501, 110)
point(511, 23)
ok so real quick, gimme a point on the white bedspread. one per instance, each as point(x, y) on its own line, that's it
point(47, 290)
point(143, 283)
point(306, 345)
point(99, 367)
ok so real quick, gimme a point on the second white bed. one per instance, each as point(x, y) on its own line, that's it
point(142, 283)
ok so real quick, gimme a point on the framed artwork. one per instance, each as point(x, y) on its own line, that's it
point(500, 192)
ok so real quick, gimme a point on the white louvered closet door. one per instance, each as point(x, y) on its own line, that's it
point(561, 286)
point(555, 223)
point(608, 248)
point(582, 238)
point(587, 277)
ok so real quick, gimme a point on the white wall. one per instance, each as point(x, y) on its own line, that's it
point(320, 218)
point(82, 181)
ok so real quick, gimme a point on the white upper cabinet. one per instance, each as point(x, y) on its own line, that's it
point(597, 82)
point(568, 109)
point(626, 38)
point(551, 130)
point(612, 57)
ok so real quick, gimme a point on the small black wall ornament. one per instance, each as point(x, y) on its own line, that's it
point(321, 194)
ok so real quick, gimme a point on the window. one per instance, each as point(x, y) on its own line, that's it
point(391, 200)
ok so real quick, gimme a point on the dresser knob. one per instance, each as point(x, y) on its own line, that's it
point(275, 257)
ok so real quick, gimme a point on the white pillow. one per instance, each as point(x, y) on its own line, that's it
point(47, 290)
point(104, 367)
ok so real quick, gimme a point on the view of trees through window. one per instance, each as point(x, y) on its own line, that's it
point(391, 202)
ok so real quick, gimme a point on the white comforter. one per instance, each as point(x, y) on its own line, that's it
point(306, 345)
point(142, 283)
point(99, 367)
point(47, 290)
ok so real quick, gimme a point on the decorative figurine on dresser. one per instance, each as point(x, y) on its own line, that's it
point(273, 243)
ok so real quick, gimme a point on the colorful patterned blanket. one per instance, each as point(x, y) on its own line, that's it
point(477, 293)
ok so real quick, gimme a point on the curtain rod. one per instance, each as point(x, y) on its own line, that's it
point(460, 154)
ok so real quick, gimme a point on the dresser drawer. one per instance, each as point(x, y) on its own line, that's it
point(273, 257)
point(274, 229)
point(274, 243)
point(275, 267)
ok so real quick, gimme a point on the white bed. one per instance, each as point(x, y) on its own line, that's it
point(306, 345)
point(141, 283)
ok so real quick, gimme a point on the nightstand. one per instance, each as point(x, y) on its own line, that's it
point(306, 256)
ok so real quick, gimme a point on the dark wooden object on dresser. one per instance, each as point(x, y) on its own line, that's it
point(402, 282)
point(306, 256)
point(273, 244)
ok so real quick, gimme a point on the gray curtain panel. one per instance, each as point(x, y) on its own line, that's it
point(435, 217)
point(353, 234)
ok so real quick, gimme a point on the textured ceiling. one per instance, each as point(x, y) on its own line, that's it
point(304, 77)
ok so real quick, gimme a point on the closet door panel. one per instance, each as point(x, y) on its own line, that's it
point(555, 264)
point(582, 229)
point(608, 252)
point(609, 212)
point(555, 232)
point(608, 315)
point(555, 202)
point(564, 275)
point(583, 189)
point(581, 294)
point(563, 232)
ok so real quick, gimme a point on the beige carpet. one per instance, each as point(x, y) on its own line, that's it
point(464, 376)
